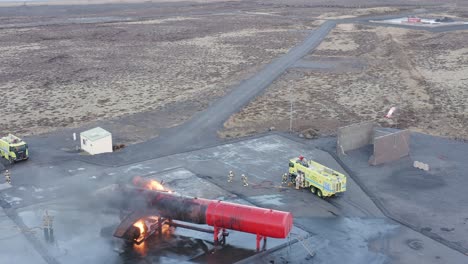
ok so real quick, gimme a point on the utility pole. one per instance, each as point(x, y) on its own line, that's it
point(290, 108)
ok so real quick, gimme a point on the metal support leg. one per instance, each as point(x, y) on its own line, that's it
point(259, 239)
point(215, 235)
point(223, 234)
point(160, 221)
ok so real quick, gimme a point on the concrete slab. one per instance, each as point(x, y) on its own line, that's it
point(15, 248)
point(337, 239)
point(5, 186)
point(350, 224)
point(79, 228)
point(76, 232)
point(433, 202)
point(407, 246)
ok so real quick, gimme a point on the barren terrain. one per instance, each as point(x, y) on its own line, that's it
point(164, 61)
point(344, 13)
point(422, 73)
point(68, 75)
point(87, 2)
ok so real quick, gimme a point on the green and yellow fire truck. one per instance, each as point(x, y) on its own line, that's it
point(13, 148)
point(321, 180)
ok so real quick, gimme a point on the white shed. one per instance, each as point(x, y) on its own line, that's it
point(96, 140)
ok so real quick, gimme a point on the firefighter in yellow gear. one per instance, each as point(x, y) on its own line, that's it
point(230, 176)
point(8, 176)
point(244, 180)
point(298, 181)
point(284, 179)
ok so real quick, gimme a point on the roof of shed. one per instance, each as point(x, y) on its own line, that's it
point(95, 134)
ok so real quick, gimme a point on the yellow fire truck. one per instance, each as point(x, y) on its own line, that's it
point(321, 180)
point(13, 148)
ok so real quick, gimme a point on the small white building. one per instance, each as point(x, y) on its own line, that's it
point(96, 140)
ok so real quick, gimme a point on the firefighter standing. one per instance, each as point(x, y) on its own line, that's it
point(298, 181)
point(230, 176)
point(7, 177)
point(284, 179)
point(303, 161)
point(47, 222)
point(244, 180)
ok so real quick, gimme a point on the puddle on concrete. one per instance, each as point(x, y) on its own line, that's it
point(348, 238)
point(270, 199)
point(12, 200)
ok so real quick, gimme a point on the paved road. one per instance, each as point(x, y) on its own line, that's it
point(201, 130)
point(365, 20)
point(438, 29)
point(208, 122)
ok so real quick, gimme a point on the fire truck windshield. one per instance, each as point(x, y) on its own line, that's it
point(18, 148)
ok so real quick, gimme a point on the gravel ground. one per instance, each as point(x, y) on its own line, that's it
point(422, 73)
point(67, 75)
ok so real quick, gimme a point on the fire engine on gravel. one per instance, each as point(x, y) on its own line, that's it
point(321, 180)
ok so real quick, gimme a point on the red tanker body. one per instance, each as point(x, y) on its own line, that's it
point(221, 215)
point(249, 219)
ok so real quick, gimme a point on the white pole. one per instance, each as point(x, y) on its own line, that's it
point(74, 136)
point(290, 110)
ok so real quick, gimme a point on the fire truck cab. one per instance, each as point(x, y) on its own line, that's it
point(321, 180)
point(13, 148)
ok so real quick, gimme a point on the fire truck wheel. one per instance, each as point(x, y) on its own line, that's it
point(319, 193)
point(313, 189)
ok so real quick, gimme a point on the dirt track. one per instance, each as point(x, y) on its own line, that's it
point(421, 73)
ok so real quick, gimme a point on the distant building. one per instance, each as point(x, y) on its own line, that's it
point(96, 141)
point(414, 20)
point(445, 20)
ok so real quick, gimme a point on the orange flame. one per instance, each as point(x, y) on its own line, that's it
point(140, 224)
point(149, 184)
point(149, 223)
point(166, 231)
point(154, 185)
point(140, 248)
